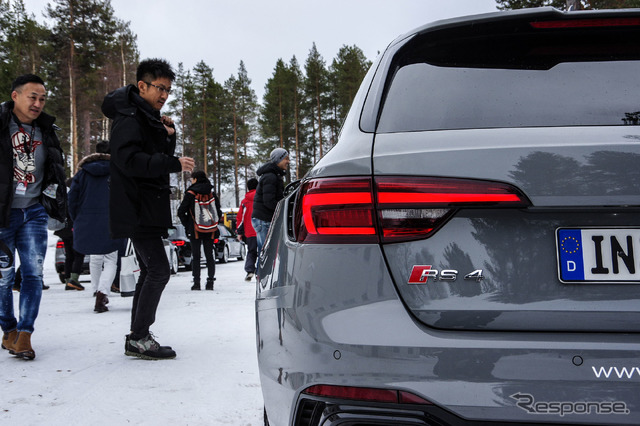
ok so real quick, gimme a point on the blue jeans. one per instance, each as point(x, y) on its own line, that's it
point(26, 233)
point(262, 229)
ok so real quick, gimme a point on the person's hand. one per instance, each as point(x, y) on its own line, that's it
point(187, 164)
point(168, 124)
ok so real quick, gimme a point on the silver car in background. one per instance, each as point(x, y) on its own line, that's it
point(469, 251)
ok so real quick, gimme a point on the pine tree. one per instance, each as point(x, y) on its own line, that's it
point(316, 88)
point(243, 106)
point(22, 47)
point(346, 73)
point(85, 36)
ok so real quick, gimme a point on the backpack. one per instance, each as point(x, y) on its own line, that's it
point(204, 214)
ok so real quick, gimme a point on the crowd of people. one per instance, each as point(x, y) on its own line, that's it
point(119, 193)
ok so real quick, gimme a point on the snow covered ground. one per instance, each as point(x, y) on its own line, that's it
point(81, 376)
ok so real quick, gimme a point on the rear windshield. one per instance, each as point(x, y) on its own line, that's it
point(530, 81)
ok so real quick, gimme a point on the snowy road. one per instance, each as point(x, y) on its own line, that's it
point(81, 376)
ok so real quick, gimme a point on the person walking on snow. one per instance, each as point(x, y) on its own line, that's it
point(200, 185)
point(32, 189)
point(270, 190)
point(89, 210)
point(143, 143)
point(245, 229)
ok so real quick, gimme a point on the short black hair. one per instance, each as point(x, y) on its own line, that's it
point(24, 79)
point(153, 69)
point(252, 184)
point(199, 176)
point(102, 147)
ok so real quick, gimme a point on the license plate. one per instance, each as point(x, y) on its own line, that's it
point(593, 255)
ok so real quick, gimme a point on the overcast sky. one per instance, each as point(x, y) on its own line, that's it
point(259, 32)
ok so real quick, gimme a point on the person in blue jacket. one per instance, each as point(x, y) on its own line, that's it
point(89, 210)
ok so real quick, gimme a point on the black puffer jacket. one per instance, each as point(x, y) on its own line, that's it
point(54, 167)
point(186, 209)
point(270, 190)
point(141, 160)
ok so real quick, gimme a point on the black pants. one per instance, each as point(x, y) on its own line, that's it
point(154, 276)
point(73, 260)
point(207, 243)
point(252, 254)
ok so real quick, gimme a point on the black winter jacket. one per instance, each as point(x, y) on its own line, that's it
point(270, 190)
point(54, 167)
point(141, 160)
point(185, 210)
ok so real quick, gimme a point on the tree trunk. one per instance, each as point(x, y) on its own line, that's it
point(73, 119)
point(574, 5)
point(204, 130)
point(319, 117)
point(235, 154)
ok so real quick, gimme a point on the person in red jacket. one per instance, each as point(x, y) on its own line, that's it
point(245, 229)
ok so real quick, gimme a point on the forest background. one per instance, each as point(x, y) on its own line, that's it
point(85, 51)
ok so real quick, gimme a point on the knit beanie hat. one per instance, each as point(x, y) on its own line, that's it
point(277, 155)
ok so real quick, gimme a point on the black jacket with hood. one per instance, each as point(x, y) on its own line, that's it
point(141, 161)
point(185, 210)
point(270, 190)
point(54, 167)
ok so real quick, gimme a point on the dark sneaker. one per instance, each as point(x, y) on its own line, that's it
point(73, 285)
point(128, 337)
point(195, 287)
point(147, 348)
point(249, 276)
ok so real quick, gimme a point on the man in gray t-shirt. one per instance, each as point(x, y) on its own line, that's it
point(31, 190)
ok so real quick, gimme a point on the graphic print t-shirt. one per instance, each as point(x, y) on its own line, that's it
point(28, 164)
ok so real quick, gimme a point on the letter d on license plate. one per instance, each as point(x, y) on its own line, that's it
point(598, 255)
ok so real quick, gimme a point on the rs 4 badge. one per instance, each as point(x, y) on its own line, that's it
point(420, 274)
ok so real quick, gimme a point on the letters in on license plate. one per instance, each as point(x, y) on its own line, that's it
point(599, 255)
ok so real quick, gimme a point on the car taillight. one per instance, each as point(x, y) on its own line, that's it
point(60, 245)
point(366, 394)
point(414, 208)
point(336, 210)
point(390, 209)
point(178, 243)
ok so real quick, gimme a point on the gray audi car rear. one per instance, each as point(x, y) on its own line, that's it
point(469, 251)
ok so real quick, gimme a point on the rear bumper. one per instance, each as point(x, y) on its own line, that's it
point(319, 321)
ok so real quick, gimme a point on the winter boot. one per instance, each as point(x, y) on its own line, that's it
point(209, 285)
point(73, 283)
point(127, 338)
point(196, 284)
point(101, 302)
point(148, 348)
point(9, 339)
point(22, 348)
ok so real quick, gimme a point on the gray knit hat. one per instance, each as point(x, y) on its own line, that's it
point(277, 155)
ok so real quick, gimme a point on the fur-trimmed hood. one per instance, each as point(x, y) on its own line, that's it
point(95, 164)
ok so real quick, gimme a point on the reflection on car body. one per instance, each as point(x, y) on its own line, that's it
point(470, 246)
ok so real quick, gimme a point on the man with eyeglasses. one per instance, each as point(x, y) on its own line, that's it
point(32, 189)
point(142, 157)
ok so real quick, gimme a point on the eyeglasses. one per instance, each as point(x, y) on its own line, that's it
point(160, 88)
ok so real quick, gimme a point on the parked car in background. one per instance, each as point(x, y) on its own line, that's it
point(180, 241)
point(228, 246)
point(468, 253)
point(170, 250)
